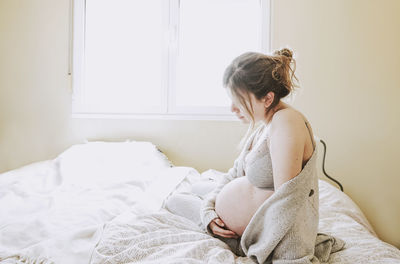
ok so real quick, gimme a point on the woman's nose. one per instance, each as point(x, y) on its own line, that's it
point(234, 108)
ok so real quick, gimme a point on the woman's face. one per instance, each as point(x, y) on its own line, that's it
point(258, 108)
point(240, 114)
point(236, 108)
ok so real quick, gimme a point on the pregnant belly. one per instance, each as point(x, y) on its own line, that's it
point(237, 202)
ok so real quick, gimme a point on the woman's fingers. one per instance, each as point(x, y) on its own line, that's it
point(228, 236)
point(223, 232)
point(220, 222)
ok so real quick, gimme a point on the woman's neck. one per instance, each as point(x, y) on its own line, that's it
point(268, 118)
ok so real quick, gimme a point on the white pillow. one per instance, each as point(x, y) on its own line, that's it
point(110, 162)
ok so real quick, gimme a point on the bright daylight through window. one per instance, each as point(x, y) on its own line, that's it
point(161, 57)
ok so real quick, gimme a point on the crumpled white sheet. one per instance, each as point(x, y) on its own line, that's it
point(109, 195)
point(54, 211)
point(162, 237)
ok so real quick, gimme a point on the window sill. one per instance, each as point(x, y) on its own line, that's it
point(204, 117)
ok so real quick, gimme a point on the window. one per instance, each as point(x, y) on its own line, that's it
point(162, 58)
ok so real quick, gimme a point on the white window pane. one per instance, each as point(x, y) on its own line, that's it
point(124, 63)
point(211, 34)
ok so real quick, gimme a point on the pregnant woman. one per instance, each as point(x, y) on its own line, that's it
point(277, 151)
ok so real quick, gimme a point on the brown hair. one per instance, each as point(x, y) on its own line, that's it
point(259, 74)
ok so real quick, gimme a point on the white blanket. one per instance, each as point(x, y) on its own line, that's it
point(162, 237)
point(54, 211)
point(100, 203)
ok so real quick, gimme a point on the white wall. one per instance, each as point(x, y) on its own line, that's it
point(348, 63)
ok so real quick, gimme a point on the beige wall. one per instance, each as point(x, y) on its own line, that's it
point(34, 93)
point(348, 63)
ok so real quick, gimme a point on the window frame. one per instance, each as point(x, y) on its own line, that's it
point(169, 110)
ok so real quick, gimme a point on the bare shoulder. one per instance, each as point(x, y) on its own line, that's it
point(287, 119)
point(287, 143)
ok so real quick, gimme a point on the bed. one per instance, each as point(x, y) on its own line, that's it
point(103, 202)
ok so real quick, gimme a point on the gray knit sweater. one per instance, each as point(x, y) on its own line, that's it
point(284, 228)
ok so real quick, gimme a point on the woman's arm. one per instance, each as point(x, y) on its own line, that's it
point(207, 210)
point(287, 140)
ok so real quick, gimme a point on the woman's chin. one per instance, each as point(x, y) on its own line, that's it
point(244, 120)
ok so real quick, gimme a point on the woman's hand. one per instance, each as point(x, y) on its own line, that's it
point(218, 228)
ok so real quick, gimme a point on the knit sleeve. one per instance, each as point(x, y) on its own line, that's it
point(207, 210)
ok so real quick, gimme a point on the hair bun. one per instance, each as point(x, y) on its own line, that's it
point(284, 52)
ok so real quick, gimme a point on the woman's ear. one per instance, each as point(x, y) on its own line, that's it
point(268, 99)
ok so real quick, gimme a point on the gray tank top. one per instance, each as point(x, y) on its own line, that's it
point(257, 160)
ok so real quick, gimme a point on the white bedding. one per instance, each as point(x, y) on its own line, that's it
point(55, 210)
point(101, 203)
point(161, 235)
